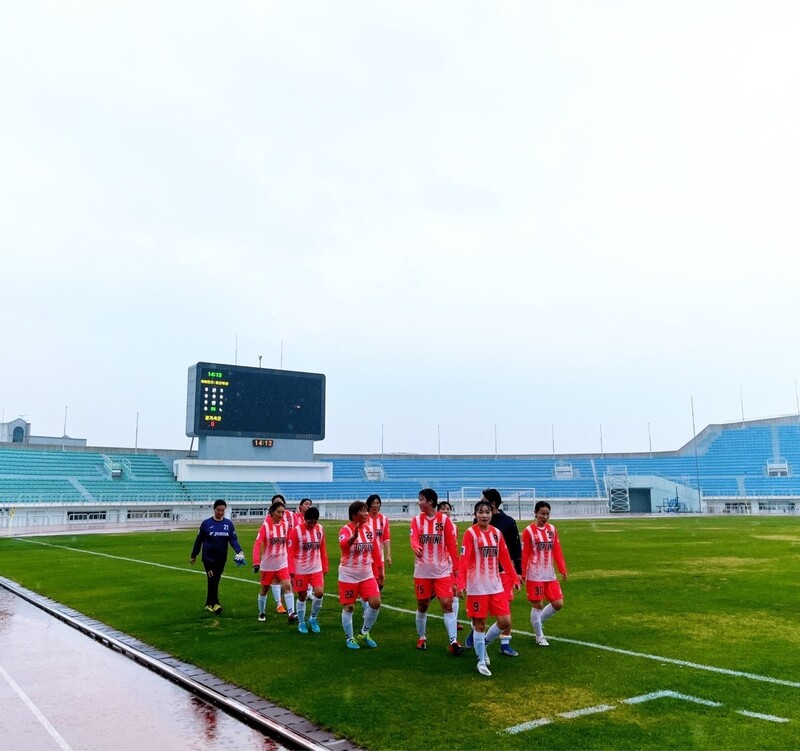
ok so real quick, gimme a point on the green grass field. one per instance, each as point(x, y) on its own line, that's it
point(707, 608)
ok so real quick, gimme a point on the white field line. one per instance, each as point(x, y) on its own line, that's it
point(532, 724)
point(759, 716)
point(671, 695)
point(54, 734)
point(586, 711)
point(577, 642)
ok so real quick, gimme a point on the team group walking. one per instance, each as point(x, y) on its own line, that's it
point(492, 564)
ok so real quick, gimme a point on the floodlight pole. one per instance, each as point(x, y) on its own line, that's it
point(741, 402)
point(796, 398)
point(696, 460)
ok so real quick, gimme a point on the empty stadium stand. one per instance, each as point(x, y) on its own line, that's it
point(735, 468)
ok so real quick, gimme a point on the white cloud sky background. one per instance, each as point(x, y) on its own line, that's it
point(537, 216)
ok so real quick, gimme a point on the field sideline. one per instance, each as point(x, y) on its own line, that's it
point(662, 642)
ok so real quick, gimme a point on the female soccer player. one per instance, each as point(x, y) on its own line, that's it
point(215, 534)
point(360, 554)
point(309, 563)
point(540, 550)
point(271, 560)
point(434, 542)
point(484, 552)
point(447, 510)
point(380, 527)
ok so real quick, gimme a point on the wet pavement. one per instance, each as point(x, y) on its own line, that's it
point(60, 689)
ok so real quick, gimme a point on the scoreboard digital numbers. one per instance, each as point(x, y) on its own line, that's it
point(258, 403)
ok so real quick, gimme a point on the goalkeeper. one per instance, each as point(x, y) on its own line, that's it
point(215, 534)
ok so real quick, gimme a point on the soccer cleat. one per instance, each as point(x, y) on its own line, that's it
point(302, 628)
point(262, 617)
point(280, 609)
point(210, 608)
point(508, 650)
point(351, 643)
point(314, 625)
point(216, 608)
point(366, 640)
point(483, 669)
point(542, 642)
point(456, 649)
point(469, 643)
point(293, 617)
point(422, 643)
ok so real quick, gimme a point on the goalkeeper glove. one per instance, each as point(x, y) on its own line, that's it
point(256, 568)
point(239, 560)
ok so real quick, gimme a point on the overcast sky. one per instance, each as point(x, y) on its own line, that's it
point(523, 220)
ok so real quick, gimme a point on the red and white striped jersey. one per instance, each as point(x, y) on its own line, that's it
point(307, 553)
point(380, 528)
point(540, 550)
point(483, 552)
point(269, 549)
point(357, 559)
point(437, 538)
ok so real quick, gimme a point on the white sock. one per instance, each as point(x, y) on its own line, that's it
point(347, 623)
point(456, 603)
point(316, 605)
point(276, 593)
point(301, 609)
point(422, 624)
point(262, 603)
point(505, 638)
point(536, 621)
point(370, 616)
point(548, 612)
point(450, 625)
point(479, 640)
point(288, 598)
point(492, 633)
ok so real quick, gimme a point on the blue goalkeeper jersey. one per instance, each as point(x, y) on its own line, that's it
point(214, 537)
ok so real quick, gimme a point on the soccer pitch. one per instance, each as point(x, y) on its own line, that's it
point(677, 632)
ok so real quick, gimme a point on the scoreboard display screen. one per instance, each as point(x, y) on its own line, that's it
point(236, 401)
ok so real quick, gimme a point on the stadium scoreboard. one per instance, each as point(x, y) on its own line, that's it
point(257, 403)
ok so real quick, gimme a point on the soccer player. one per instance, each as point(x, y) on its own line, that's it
point(271, 560)
point(483, 567)
point(299, 516)
point(309, 561)
point(360, 553)
point(540, 550)
point(380, 527)
point(508, 528)
point(447, 510)
point(434, 542)
point(289, 517)
point(215, 534)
